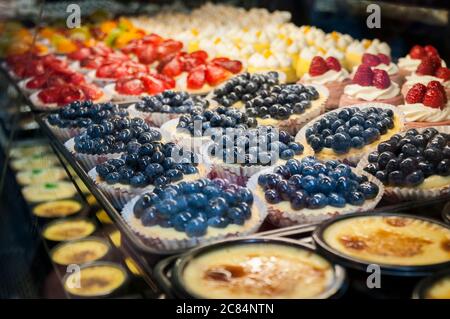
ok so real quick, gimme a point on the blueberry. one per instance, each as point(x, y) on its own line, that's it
point(217, 206)
point(336, 200)
point(298, 200)
point(395, 178)
point(326, 184)
point(369, 189)
point(309, 184)
point(355, 198)
point(341, 143)
point(408, 165)
point(373, 157)
point(384, 158)
point(112, 178)
point(317, 201)
point(433, 154)
point(149, 217)
point(196, 227)
point(414, 178)
point(357, 142)
point(138, 180)
point(218, 222)
point(316, 143)
point(272, 196)
point(443, 167)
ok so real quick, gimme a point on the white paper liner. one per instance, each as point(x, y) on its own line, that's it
point(280, 218)
point(38, 104)
point(64, 134)
point(297, 121)
point(399, 194)
point(171, 245)
point(154, 118)
point(23, 87)
point(354, 155)
point(88, 160)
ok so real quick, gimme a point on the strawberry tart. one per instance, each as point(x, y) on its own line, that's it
point(49, 79)
point(328, 72)
point(112, 70)
point(371, 86)
point(28, 65)
point(62, 94)
point(381, 61)
point(426, 105)
point(411, 61)
point(429, 69)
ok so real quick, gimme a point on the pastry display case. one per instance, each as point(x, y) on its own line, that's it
point(187, 151)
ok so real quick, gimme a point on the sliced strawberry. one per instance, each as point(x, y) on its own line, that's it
point(426, 67)
point(434, 98)
point(363, 75)
point(333, 63)
point(107, 70)
point(199, 54)
point(234, 66)
point(384, 58)
point(153, 85)
point(49, 95)
point(417, 52)
point(56, 81)
point(437, 85)
point(431, 50)
point(92, 62)
point(37, 82)
point(169, 83)
point(416, 93)
point(318, 66)
point(91, 92)
point(173, 68)
point(69, 94)
point(443, 73)
point(76, 78)
point(168, 47)
point(215, 74)
point(370, 59)
point(381, 79)
point(196, 78)
point(190, 63)
point(152, 38)
point(79, 54)
point(130, 86)
point(147, 54)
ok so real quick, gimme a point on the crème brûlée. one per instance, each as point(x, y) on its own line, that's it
point(69, 230)
point(390, 240)
point(95, 280)
point(439, 289)
point(259, 271)
point(57, 208)
point(79, 252)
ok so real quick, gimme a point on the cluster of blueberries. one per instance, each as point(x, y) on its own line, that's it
point(171, 102)
point(218, 119)
point(80, 114)
point(151, 163)
point(281, 101)
point(407, 160)
point(310, 183)
point(258, 146)
point(192, 207)
point(113, 135)
point(244, 87)
point(350, 127)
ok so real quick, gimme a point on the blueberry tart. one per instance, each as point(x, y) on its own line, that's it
point(288, 106)
point(242, 88)
point(346, 134)
point(414, 165)
point(143, 167)
point(193, 130)
point(190, 213)
point(310, 191)
point(110, 138)
point(168, 105)
point(238, 154)
point(72, 119)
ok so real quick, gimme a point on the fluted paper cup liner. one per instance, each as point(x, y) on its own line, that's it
point(23, 87)
point(279, 217)
point(174, 241)
point(354, 155)
point(398, 194)
point(88, 160)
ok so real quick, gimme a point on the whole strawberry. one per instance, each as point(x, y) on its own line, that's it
point(318, 66)
point(416, 93)
point(434, 98)
point(443, 73)
point(384, 58)
point(417, 52)
point(370, 59)
point(333, 63)
point(381, 79)
point(363, 75)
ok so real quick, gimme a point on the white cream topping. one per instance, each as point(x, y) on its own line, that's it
point(418, 112)
point(371, 93)
point(411, 64)
point(424, 79)
point(329, 76)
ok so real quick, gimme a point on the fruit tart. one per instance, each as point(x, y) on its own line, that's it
point(371, 86)
point(428, 70)
point(167, 105)
point(288, 106)
point(113, 70)
point(381, 61)
point(93, 62)
point(49, 79)
point(346, 134)
point(242, 88)
point(28, 65)
point(132, 88)
point(75, 117)
point(238, 154)
point(329, 73)
point(100, 49)
point(143, 167)
point(411, 61)
point(190, 213)
point(152, 48)
point(193, 130)
point(62, 94)
point(310, 191)
point(426, 106)
point(414, 165)
point(110, 138)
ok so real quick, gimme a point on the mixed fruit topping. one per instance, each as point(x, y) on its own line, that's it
point(407, 160)
point(63, 94)
point(349, 128)
point(309, 183)
point(365, 76)
point(432, 95)
point(320, 65)
point(244, 87)
point(172, 102)
point(148, 162)
point(81, 114)
point(221, 119)
point(192, 207)
point(264, 145)
point(115, 135)
point(281, 101)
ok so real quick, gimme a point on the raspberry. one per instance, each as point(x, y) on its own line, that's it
point(416, 93)
point(434, 98)
point(417, 52)
point(363, 75)
point(438, 85)
point(443, 73)
point(384, 58)
point(431, 50)
point(333, 63)
point(425, 67)
point(318, 66)
point(370, 59)
point(381, 79)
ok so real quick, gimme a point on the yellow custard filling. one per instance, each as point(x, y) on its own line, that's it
point(390, 240)
point(60, 208)
point(69, 230)
point(95, 281)
point(48, 191)
point(435, 181)
point(258, 271)
point(439, 290)
point(79, 252)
